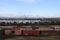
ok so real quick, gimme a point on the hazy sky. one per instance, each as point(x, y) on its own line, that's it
point(38, 8)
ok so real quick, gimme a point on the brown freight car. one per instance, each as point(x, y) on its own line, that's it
point(48, 32)
point(17, 31)
point(7, 31)
point(30, 32)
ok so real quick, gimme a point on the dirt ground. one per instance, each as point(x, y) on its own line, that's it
point(34, 38)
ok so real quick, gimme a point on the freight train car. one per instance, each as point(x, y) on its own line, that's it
point(7, 31)
point(1, 32)
point(48, 32)
point(17, 31)
point(30, 32)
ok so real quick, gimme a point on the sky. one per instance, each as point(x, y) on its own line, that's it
point(30, 8)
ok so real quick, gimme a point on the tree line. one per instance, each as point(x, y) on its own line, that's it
point(27, 23)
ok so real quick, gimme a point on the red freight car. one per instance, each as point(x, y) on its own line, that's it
point(30, 32)
point(35, 28)
point(46, 32)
